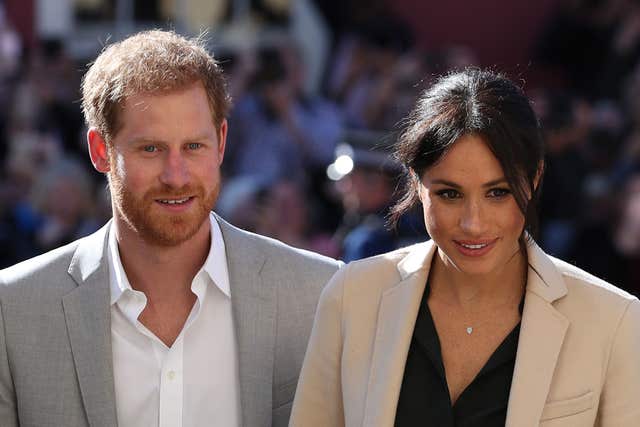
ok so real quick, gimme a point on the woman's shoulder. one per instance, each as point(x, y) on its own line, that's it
point(371, 277)
point(558, 280)
point(390, 265)
point(593, 302)
point(579, 281)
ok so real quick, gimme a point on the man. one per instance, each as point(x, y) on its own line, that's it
point(167, 316)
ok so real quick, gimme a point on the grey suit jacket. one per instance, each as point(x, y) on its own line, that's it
point(55, 333)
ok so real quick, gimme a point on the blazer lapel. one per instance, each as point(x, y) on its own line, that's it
point(542, 332)
point(253, 304)
point(397, 315)
point(87, 314)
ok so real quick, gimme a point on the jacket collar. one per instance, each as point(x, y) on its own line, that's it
point(253, 293)
point(87, 315)
point(543, 278)
point(419, 257)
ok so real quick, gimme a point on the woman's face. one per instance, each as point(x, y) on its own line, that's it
point(469, 210)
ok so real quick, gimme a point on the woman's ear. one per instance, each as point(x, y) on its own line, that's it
point(538, 177)
point(416, 184)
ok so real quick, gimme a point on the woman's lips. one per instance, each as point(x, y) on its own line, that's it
point(475, 248)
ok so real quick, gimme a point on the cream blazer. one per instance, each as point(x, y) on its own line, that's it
point(578, 359)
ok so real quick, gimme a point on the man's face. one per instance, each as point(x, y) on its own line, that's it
point(164, 165)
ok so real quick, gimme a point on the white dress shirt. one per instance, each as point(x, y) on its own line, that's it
point(194, 382)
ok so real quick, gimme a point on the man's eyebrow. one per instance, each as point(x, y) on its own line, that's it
point(144, 139)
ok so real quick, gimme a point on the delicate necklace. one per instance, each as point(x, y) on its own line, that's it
point(469, 330)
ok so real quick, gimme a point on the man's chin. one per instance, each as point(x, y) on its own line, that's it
point(167, 237)
point(169, 232)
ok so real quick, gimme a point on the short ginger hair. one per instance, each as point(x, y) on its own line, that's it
point(149, 62)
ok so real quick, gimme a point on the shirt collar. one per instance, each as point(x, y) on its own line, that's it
point(215, 265)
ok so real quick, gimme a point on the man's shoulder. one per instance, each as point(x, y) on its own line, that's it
point(50, 272)
point(276, 251)
point(52, 262)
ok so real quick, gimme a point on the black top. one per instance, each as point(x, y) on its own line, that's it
point(424, 397)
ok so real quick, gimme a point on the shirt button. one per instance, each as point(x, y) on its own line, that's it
point(171, 375)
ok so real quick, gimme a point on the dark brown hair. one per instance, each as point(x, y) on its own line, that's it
point(149, 62)
point(478, 102)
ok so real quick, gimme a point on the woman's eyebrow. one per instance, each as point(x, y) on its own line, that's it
point(445, 182)
point(491, 183)
point(502, 180)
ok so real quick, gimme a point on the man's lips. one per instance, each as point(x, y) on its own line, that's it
point(475, 248)
point(175, 204)
point(174, 201)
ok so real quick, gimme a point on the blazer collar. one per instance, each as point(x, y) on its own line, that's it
point(397, 315)
point(87, 315)
point(543, 278)
point(419, 257)
point(253, 296)
point(542, 333)
point(90, 255)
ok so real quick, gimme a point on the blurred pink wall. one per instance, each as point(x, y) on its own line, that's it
point(501, 32)
point(20, 14)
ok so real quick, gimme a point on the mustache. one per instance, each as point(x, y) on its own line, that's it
point(167, 191)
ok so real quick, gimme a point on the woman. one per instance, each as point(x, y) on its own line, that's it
point(478, 326)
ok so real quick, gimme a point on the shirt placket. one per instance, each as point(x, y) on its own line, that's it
point(171, 387)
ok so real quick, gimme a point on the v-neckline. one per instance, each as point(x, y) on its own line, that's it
point(427, 336)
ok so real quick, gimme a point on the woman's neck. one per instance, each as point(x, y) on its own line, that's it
point(496, 288)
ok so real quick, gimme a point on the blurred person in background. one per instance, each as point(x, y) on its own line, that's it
point(167, 315)
point(627, 235)
point(373, 73)
point(63, 200)
point(288, 213)
point(10, 56)
point(562, 201)
point(279, 131)
point(366, 189)
point(46, 99)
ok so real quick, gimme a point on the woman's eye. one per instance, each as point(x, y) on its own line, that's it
point(448, 194)
point(499, 192)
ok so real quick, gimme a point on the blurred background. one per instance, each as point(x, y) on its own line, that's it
point(319, 89)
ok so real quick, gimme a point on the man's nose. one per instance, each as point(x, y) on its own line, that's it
point(175, 171)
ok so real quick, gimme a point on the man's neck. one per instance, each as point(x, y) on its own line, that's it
point(162, 272)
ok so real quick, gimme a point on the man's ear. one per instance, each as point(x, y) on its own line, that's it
point(98, 151)
point(222, 140)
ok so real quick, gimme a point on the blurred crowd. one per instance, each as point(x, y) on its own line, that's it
point(307, 158)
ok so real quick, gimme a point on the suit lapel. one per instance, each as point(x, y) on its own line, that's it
point(542, 332)
point(87, 315)
point(397, 315)
point(253, 301)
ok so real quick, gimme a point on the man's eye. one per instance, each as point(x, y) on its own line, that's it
point(150, 148)
point(448, 194)
point(194, 145)
point(499, 192)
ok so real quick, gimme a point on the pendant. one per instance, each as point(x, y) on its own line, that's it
point(469, 330)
